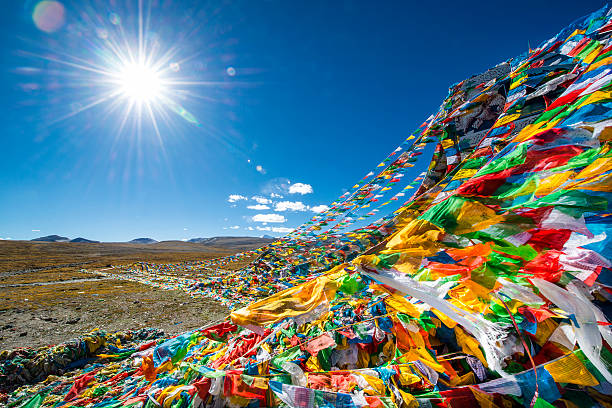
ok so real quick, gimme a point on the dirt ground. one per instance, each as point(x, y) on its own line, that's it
point(46, 298)
point(42, 315)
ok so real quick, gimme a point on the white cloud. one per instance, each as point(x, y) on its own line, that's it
point(277, 185)
point(249, 228)
point(6, 239)
point(184, 229)
point(300, 188)
point(281, 230)
point(258, 207)
point(235, 227)
point(290, 206)
point(268, 218)
point(260, 169)
point(35, 230)
point(235, 197)
point(261, 200)
point(274, 195)
point(319, 208)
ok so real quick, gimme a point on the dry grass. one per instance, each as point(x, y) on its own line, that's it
point(34, 315)
point(27, 262)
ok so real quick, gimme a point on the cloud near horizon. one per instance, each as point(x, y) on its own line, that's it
point(275, 190)
point(283, 230)
point(269, 218)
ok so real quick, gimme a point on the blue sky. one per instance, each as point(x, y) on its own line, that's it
point(296, 99)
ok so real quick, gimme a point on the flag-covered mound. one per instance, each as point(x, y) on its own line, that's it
point(488, 287)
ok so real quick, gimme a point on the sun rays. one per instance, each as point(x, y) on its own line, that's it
point(127, 69)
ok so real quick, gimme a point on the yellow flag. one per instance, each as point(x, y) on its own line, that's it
point(570, 369)
point(291, 302)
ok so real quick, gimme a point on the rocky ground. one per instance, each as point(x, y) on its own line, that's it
point(45, 298)
point(32, 316)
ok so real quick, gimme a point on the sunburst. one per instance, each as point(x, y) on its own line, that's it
point(131, 74)
point(140, 83)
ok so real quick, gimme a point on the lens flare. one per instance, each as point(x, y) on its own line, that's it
point(49, 16)
point(111, 61)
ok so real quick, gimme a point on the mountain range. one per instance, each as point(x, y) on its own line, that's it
point(59, 238)
point(227, 242)
point(52, 238)
point(143, 241)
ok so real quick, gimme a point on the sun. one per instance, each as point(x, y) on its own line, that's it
point(140, 83)
point(129, 70)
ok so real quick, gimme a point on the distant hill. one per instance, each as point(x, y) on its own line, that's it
point(52, 238)
point(79, 239)
point(233, 242)
point(143, 241)
point(194, 244)
point(199, 240)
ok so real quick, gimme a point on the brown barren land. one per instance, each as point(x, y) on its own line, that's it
point(46, 298)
